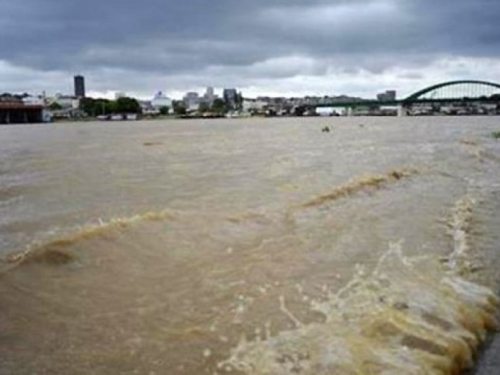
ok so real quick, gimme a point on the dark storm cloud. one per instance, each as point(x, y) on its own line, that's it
point(192, 36)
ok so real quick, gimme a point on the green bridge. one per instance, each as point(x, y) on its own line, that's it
point(464, 91)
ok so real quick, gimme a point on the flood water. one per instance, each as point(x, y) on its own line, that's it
point(249, 246)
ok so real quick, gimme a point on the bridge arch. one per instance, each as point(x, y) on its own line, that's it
point(420, 94)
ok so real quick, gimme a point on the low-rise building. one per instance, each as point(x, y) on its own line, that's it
point(254, 106)
point(160, 100)
point(147, 108)
point(14, 111)
point(33, 100)
point(65, 101)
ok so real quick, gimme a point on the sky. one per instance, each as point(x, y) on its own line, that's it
point(261, 47)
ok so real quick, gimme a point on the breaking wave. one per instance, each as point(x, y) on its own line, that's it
point(410, 315)
point(361, 184)
point(58, 251)
point(406, 317)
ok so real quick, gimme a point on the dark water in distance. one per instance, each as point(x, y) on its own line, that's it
point(253, 246)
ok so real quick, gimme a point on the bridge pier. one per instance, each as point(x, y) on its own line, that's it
point(402, 111)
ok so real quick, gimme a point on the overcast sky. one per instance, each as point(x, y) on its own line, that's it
point(262, 47)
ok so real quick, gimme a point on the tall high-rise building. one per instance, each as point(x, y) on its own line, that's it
point(209, 96)
point(230, 96)
point(79, 86)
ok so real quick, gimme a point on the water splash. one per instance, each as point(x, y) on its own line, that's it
point(408, 316)
point(459, 229)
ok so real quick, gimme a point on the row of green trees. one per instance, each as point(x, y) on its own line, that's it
point(98, 107)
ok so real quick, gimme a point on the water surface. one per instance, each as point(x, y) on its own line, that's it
point(248, 246)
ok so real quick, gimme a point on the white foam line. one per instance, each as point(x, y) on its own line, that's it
point(287, 312)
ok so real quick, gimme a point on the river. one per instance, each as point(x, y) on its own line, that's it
point(250, 246)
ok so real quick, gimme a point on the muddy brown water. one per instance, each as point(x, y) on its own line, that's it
point(255, 246)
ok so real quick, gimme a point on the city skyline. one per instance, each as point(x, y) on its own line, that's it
point(264, 48)
point(207, 94)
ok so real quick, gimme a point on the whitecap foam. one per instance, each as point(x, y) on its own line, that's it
point(408, 316)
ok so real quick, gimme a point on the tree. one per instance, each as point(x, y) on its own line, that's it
point(204, 107)
point(164, 110)
point(219, 106)
point(98, 107)
point(299, 111)
point(238, 101)
point(95, 107)
point(55, 106)
point(126, 105)
point(87, 105)
point(179, 108)
point(102, 107)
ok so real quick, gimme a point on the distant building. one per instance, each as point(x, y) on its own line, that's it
point(147, 108)
point(209, 96)
point(192, 101)
point(388, 96)
point(119, 95)
point(230, 96)
point(34, 100)
point(254, 105)
point(160, 100)
point(11, 99)
point(79, 86)
point(65, 101)
point(13, 110)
